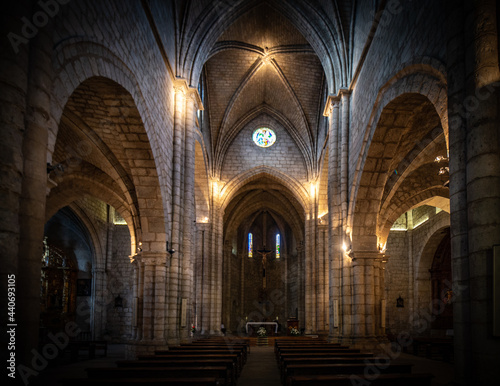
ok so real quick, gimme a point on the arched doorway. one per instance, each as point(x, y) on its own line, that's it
point(263, 279)
point(441, 287)
point(67, 274)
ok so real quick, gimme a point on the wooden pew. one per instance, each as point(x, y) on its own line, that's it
point(345, 368)
point(284, 357)
point(187, 356)
point(241, 358)
point(348, 380)
point(212, 348)
point(140, 381)
point(328, 360)
point(229, 344)
point(227, 363)
point(218, 372)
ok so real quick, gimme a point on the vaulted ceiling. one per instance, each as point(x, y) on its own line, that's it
point(264, 57)
point(262, 65)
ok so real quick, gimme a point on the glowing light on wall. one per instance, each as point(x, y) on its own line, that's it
point(278, 246)
point(250, 245)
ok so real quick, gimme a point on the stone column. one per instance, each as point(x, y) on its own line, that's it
point(14, 64)
point(33, 193)
point(150, 334)
point(334, 229)
point(186, 273)
point(217, 255)
point(473, 94)
point(98, 312)
point(367, 294)
point(135, 297)
point(174, 272)
point(148, 300)
point(201, 275)
point(301, 285)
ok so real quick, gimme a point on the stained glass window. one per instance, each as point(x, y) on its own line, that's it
point(278, 246)
point(250, 245)
point(264, 137)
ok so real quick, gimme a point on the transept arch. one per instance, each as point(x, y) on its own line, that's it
point(102, 131)
point(389, 163)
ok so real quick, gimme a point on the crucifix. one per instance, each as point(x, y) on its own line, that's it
point(264, 252)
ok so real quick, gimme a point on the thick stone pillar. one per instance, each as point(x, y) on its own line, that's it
point(188, 233)
point(151, 286)
point(301, 285)
point(334, 223)
point(174, 272)
point(201, 278)
point(367, 298)
point(33, 194)
point(473, 95)
point(14, 67)
point(98, 312)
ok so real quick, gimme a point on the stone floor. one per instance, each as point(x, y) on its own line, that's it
point(261, 368)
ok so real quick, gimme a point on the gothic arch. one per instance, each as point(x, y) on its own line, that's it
point(233, 186)
point(76, 186)
point(223, 146)
point(423, 290)
point(100, 61)
point(402, 90)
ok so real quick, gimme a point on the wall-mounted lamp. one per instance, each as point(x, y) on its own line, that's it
point(118, 302)
point(171, 251)
point(440, 158)
point(400, 302)
point(139, 247)
point(51, 168)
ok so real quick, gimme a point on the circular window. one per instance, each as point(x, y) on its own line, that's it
point(264, 137)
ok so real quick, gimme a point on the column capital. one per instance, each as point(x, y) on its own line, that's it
point(367, 257)
point(331, 102)
point(181, 87)
point(153, 258)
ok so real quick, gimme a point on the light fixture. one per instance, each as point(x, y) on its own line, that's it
point(443, 170)
point(57, 167)
point(171, 251)
point(400, 302)
point(440, 158)
point(139, 247)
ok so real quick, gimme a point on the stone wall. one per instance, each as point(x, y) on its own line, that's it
point(244, 154)
point(120, 283)
point(394, 47)
point(407, 271)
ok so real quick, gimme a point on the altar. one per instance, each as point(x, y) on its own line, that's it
point(259, 324)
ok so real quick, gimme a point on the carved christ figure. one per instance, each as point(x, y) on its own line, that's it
point(264, 252)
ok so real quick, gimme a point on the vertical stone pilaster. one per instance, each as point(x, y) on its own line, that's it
point(473, 95)
point(367, 283)
point(186, 273)
point(33, 194)
point(159, 299)
point(151, 312)
point(148, 300)
point(334, 229)
point(98, 316)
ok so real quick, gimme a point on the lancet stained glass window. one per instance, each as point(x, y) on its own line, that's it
point(250, 245)
point(264, 137)
point(278, 246)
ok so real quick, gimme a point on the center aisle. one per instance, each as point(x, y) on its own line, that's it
point(261, 368)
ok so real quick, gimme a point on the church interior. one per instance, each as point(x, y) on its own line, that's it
point(182, 170)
